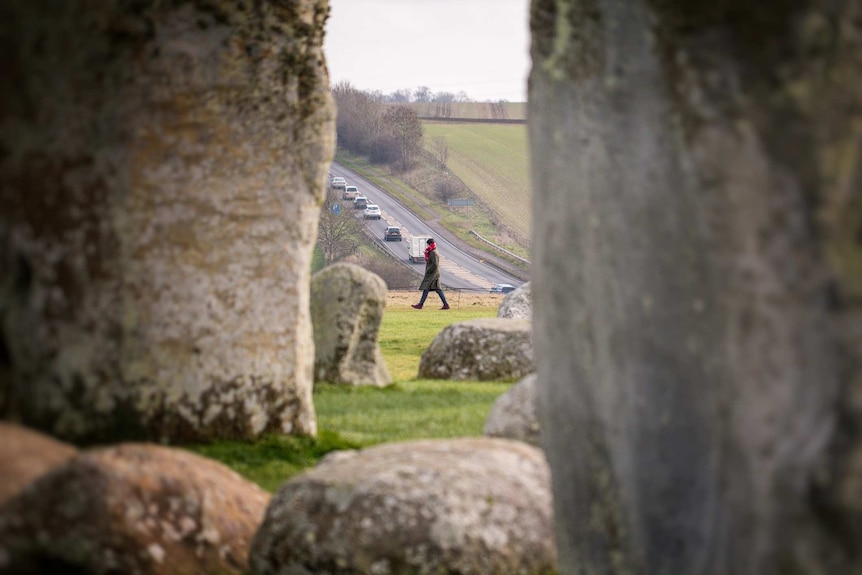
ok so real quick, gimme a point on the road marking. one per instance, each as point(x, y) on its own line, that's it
point(463, 274)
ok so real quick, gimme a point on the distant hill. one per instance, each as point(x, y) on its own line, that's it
point(508, 112)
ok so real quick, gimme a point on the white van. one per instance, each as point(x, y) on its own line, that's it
point(416, 249)
point(350, 193)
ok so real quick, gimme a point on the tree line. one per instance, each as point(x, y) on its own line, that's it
point(422, 94)
point(368, 126)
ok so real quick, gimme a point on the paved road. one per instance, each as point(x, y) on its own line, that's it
point(458, 269)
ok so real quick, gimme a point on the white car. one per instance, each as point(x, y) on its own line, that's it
point(337, 183)
point(372, 212)
point(350, 193)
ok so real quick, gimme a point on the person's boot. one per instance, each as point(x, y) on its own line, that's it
point(416, 306)
point(445, 306)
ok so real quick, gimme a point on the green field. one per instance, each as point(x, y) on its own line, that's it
point(492, 159)
point(351, 417)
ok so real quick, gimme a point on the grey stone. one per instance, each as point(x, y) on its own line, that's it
point(133, 508)
point(517, 304)
point(484, 349)
point(513, 415)
point(162, 177)
point(347, 303)
point(463, 506)
point(696, 187)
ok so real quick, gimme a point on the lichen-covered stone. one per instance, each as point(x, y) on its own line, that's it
point(463, 506)
point(347, 303)
point(163, 167)
point(484, 349)
point(136, 509)
point(696, 183)
point(517, 304)
point(513, 415)
point(26, 455)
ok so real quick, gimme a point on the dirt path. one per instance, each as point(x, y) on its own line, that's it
point(403, 299)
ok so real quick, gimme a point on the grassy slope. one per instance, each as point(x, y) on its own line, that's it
point(492, 159)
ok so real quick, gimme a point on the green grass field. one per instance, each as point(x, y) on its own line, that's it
point(492, 159)
point(351, 417)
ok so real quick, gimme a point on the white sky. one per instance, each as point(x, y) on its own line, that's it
point(480, 47)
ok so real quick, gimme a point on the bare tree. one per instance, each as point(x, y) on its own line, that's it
point(400, 96)
point(447, 187)
point(358, 124)
point(337, 230)
point(463, 97)
point(422, 94)
point(444, 97)
point(441, 150)
point(404, 126)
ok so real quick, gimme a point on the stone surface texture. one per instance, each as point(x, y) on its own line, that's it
point(484, 349)
point(135, 509)
point(517, 304)
point(347, 303)
point(697, 281)
point(474, 506)
point(163, 164)
point(513, 415)
point(26, 455)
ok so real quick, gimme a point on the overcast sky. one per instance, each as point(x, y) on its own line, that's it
point(480, 47)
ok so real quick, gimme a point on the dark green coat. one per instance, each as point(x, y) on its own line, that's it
point(431, 281)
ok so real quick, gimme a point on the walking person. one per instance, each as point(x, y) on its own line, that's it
point(431, 281)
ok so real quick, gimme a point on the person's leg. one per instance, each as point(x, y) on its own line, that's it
point(421, 301)
point(443, 299)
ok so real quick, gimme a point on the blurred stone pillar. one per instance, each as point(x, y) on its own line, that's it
point(161, 168)
point(697, 173)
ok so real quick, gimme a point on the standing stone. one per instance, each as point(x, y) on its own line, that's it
point(162, 168)
point(517, 304)
point(347, 303)
point(697, 182)
point(513, 414)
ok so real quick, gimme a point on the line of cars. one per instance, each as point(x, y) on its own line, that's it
point(351, 193)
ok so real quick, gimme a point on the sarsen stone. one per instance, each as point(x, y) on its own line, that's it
point(473, 506)
point(483, 349)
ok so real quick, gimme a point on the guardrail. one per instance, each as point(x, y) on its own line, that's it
point(499, 248)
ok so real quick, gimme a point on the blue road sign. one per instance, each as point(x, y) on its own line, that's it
point(336, 209)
